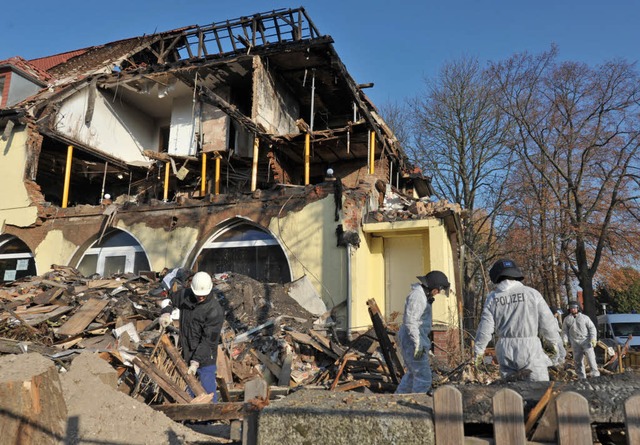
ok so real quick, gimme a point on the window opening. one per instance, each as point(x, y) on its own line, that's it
point(16, 259)
point(245, 249)
point(118, 253)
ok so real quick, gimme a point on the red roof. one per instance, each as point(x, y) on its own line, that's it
point(26, 67)
point(46, 63)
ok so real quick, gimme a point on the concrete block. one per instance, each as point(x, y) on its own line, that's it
point(322, 417)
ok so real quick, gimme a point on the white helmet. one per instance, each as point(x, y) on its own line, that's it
point(201, 284)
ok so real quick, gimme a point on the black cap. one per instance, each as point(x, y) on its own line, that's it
point(435, 280)
point(505, 269)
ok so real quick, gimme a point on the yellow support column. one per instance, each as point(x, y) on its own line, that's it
point(166, 182)
point(372, 153)
point(217, 176)
point(307, 146)
point(203, 180)
point(67, 177)
point(254, 168)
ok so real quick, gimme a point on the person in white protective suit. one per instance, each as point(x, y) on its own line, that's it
point(517, 314)
point(581, 332)
point(413, 335)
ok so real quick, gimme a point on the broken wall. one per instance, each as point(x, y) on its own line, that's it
point(309, 240)
point(116, 128)
point(273, 105)
point(214, 124)
point(16, 206)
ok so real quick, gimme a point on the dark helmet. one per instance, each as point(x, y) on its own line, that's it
point(574, 304)
point(435, 280)
point(505, 269)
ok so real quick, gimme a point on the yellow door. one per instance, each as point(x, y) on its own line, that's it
point(403, 263)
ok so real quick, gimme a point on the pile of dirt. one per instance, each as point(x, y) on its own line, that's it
point(100, 414)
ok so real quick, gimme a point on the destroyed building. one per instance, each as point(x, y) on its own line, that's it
point(241, 146)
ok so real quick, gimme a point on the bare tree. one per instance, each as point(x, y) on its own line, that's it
point(578, 127)
point(458, 140)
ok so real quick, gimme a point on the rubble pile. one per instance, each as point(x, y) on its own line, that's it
point(266, 333)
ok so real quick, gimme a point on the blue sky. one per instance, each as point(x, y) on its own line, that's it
point(395, 45)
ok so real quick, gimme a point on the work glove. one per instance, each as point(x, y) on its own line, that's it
point(418, 353)
point(593, 343)
point(193, 367)
point(557, 356)
point(478, 360)
point(165, 320)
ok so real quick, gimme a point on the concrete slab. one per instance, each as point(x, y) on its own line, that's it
point(310, 417)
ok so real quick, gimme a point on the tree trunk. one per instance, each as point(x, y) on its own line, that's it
point(32, 408)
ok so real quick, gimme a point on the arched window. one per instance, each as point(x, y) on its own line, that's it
point(16, 259)
point(246, 249)
point(117, 253)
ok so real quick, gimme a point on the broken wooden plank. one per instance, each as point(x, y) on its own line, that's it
point(10, 346)
point(57, 312)
point(448, 418)
point(48, 296)
point(352, 385)
point(344, 360)
point(222, 388)
point(181, 366)
point(17, 317)
point(308, 340)
point(388, 349)
point(82, 317)
point(537, 410)
point(223, 366)
point(162, 380)
point(265, 360)
point(284, 378)
point(330, 345)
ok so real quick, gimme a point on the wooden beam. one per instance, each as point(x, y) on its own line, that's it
point(388, 349)
point(181, 366)
point(162, 380)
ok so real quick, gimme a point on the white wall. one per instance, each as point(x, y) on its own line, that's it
point(182, 133)
point(107, 131)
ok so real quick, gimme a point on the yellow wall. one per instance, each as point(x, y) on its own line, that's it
point(440, 257)
point(368, 276)
point(163, 248)
point(367, 279)
point(54, 249)
point(15, 206)
point(309, 240)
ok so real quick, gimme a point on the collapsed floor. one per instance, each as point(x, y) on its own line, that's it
point(108, 327)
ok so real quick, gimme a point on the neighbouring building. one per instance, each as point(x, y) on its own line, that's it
point(242, 146)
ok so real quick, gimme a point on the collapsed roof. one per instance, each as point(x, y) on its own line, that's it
point(269, 80)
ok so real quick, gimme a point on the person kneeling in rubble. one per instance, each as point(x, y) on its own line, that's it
point(413, 335)
point(201, 318)
point(580, 330)
point(517, 314)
